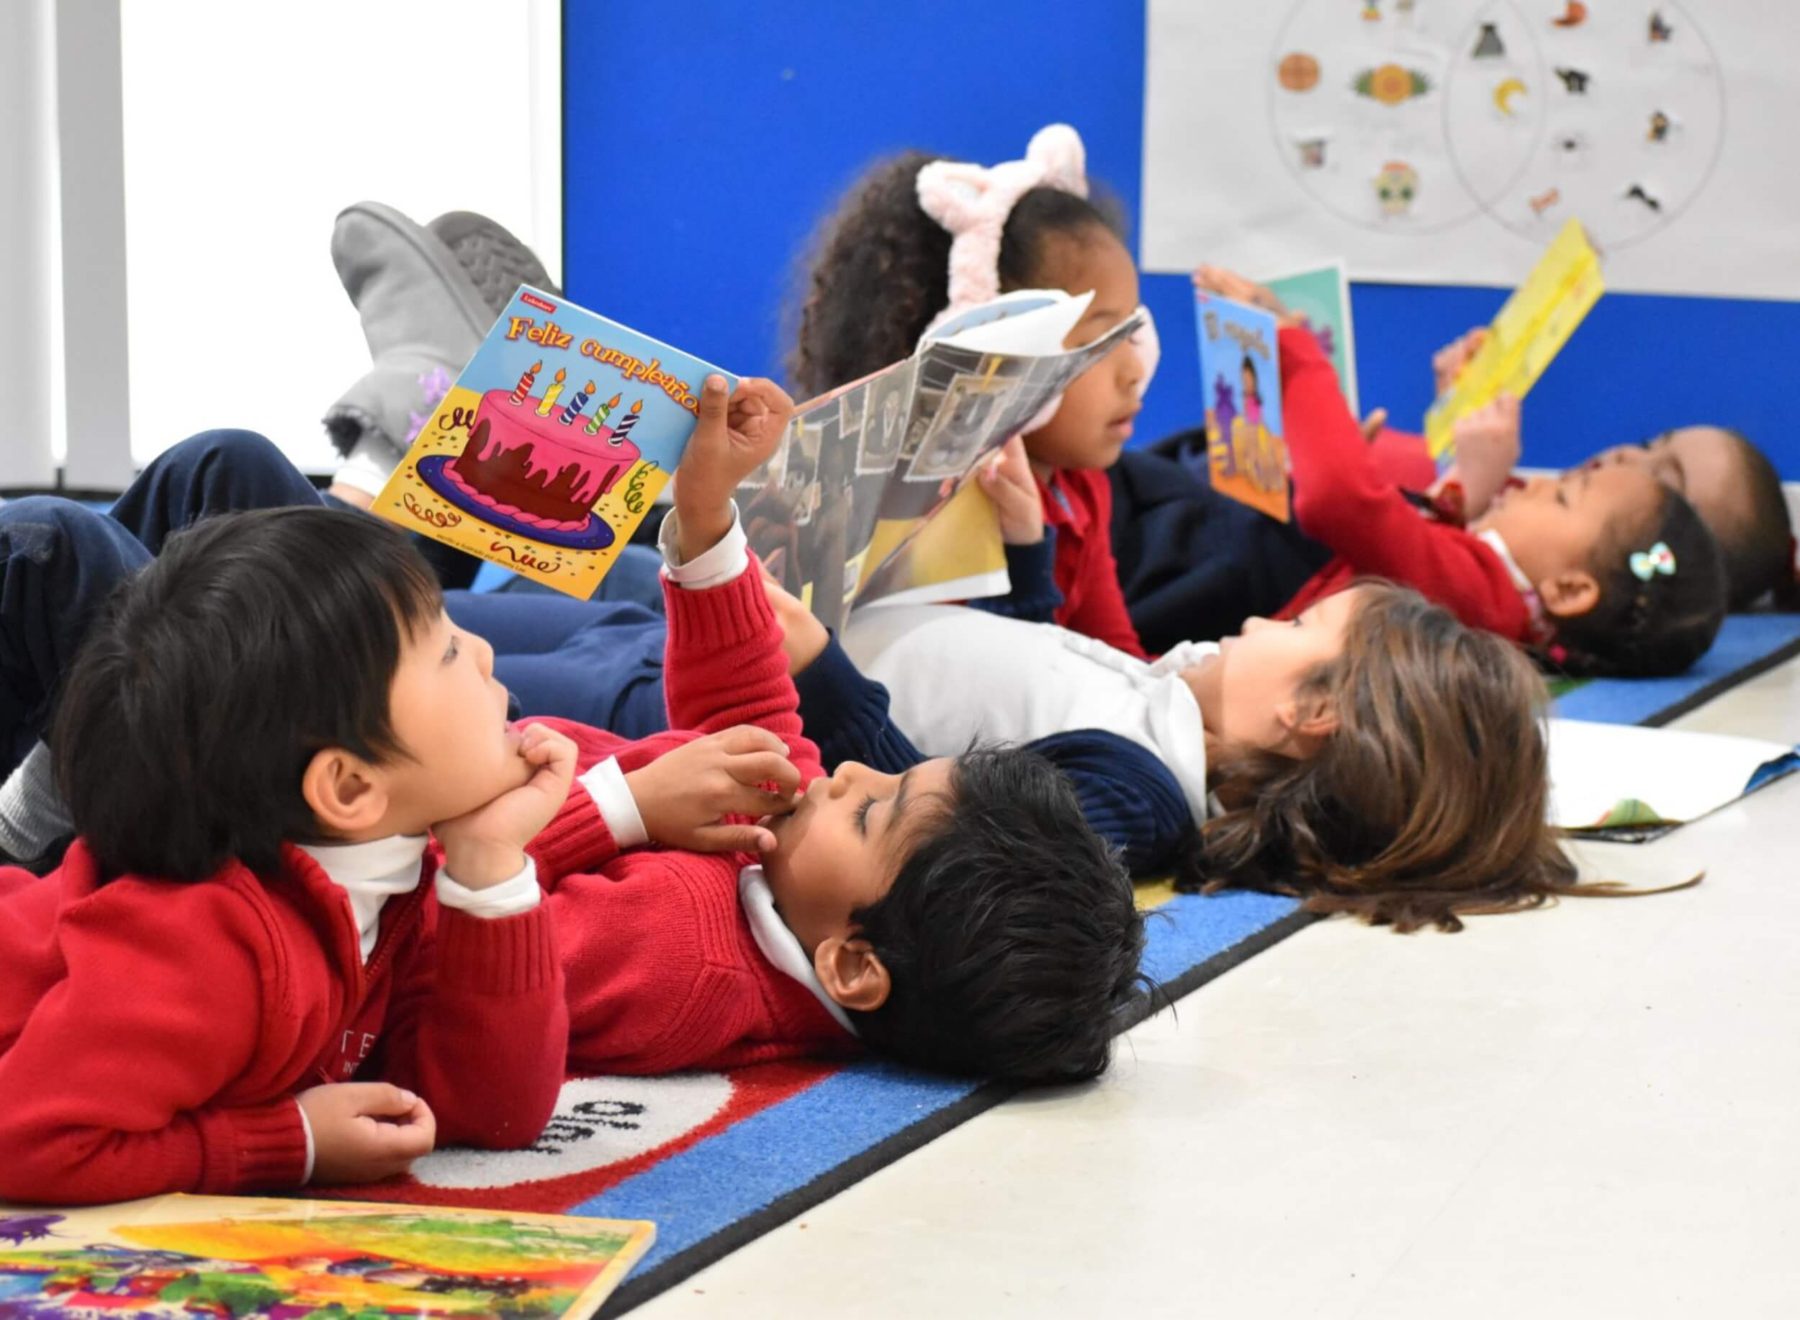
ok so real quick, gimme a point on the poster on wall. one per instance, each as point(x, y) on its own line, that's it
point(1448, 141)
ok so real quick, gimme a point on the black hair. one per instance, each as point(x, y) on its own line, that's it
point(1648, 626)
point(1010, 934)
point(1759, 552)
point(879, 270)
point(254, 641)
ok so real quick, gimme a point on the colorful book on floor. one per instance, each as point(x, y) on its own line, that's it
point(551, 445)
point(1629, 783)
point(255, 1257)
point(866, 499)
point(1525, 337)
point(1240, 380)
point(1321, 297)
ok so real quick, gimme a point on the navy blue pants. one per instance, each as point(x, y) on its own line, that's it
point(598, 661)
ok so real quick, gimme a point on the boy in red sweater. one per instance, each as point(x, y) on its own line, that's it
point(961, 916)
point(256, 968)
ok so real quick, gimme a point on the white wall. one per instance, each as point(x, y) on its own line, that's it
point(248, 126)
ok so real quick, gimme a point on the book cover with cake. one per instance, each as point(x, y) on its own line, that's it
point(1240, 379)
point(551, 445)
point(866, 499)
point(259, 1258)
point(1525, 337)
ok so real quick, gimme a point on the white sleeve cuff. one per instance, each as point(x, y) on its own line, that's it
point(507, 899)
point(723, 563)
point(311, 1150)
point(366, 467)
point(605, 783)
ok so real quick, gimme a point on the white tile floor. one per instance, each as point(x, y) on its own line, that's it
point(1583, 1112)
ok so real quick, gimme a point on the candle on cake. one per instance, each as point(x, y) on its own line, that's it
point(576, 404)
point(630, 420)
point(599, 418)
point(543, 409)
point(523, 388)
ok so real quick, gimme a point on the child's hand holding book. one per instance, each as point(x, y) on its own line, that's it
point(736, 435)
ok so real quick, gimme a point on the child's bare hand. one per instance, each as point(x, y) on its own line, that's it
point(803, 637)
point(1448, 362)
point(365, 1131)
point(1229, 284)
point(1373, 424)
point(1009, 483)
point(1487, 451)
point(736, 435)
point(487, 845)
point(684, 795)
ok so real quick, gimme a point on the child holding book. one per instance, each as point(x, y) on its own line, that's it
point(959, 916)
point(919, 239)
point(1602, 571)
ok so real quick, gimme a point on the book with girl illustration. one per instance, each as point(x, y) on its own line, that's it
point(866, 499)
point(560, 432)
point(1240, 380)
point(253, 1257)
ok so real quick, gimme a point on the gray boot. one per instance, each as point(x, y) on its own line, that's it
point(491, 257)
point(423, 318)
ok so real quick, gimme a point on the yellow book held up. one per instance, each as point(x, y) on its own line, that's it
point(1525, 337)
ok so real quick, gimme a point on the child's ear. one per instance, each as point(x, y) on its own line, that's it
point(1570, 593)
point(852, 973)
point(1309, 719)
point(346, 796)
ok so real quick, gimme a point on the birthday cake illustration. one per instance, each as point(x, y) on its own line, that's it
point(537, 465)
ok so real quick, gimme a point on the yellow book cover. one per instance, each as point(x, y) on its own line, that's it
point(1526, 336)
point(551, 445)
point(258, 1258)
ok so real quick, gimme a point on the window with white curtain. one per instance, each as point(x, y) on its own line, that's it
point(249, 126)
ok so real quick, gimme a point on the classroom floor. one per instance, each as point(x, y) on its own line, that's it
point(1587, 1112)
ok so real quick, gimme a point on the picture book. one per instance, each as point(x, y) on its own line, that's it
point(1525, 337)
point(1321, 298)
point(552, 443)
point(866, 499)
point(1630, 784)
point(1240, 380)
point(255, 1258)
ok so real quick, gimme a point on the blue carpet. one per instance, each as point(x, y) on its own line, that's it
point(1748, 644)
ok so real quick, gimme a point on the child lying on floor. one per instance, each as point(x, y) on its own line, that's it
point(1373, 756)
point(255, 967)
point(960, 916)
point(1603, 571)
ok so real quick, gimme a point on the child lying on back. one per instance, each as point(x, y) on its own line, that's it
point(960, 916)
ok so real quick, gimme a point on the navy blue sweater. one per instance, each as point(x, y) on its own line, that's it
point(1128, 795)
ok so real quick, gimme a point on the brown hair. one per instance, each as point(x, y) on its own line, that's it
point(1428, 802)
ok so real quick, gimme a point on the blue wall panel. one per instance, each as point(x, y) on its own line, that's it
point(703, 141)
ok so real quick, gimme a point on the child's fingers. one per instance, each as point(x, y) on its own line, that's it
point(741, 738)
point(765, 768)
point(376, 1099)
point(402, 1143)
point(1372, 424)
point(734, 838)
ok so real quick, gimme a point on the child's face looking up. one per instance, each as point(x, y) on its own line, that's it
point(841, 848)
point(1554, 526)
point(1704, 463)
point(1095, 418)
point(1250, 692)
point(449, 713)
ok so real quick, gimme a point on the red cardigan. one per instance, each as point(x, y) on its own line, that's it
point(1344, 499)
point(1078, 504)
point(663, 971)
point(153, 1034)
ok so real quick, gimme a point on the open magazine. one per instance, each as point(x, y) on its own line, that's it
point(865, 498)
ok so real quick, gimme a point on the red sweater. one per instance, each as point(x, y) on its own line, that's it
point(663, 971)
point(1344, 499)
point(153, 1035)
point(1078, 504)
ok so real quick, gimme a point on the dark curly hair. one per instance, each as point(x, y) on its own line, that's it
point(878, 270)
point(1648, 629)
